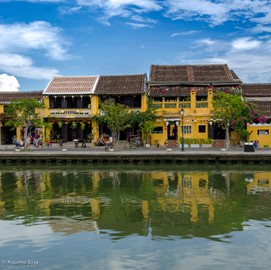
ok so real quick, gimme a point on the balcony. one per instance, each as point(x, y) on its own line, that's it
point(202, 104)
point(69, 113)
point(171, 105)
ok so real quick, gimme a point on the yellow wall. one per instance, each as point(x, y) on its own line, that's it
point(193, 116)
point(46, 110)
point(260, 133)
point(1, 108)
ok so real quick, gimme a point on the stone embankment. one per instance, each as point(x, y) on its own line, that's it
point(97, 155)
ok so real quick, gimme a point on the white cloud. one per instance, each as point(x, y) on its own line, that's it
point(34, 1)
point(197, 9)
point(220, 11)
point(23, 67)
point(37, 35)
point(138, 25)
point(122, 8)
point(33, 72)
point(186, 33)
point(245, 43)
point(261, 29)
point(8, 83)
point(19, 41)
point(207, 41)
point(144, 5)
point(244, 55)
point(39, 236)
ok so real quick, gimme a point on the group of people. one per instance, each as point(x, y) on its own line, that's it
point(105, 140)
point(34, 139)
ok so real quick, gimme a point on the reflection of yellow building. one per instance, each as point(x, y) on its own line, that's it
point(172, 192)
point(261, 182)
point(191, 192)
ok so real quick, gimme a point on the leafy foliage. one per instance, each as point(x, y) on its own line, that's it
point(232, 111)
point(115, 116)
point(24, 113)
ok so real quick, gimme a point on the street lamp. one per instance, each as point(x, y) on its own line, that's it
point(182, 114)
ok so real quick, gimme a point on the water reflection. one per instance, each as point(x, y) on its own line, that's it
point(122, 218)
point(159, 203)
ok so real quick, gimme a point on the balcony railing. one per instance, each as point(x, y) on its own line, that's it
point(184, 104)
point(171, 105)
point(73, 113)
point(202, 104)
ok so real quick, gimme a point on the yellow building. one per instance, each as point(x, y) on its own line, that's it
point(260, 95)
point(72, 102)
point(181, 96)
point(7, 133)
point(187, 90)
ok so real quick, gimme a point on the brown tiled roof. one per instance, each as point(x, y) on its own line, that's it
point(192, 73)
point(71, 85)
point(121, 84)
point(256, 89)
point(6, 97)
point(263, 107)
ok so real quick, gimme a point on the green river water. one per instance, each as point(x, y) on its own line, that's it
point(134, 217)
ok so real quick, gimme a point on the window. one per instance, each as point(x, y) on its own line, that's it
point(55, 102)
point(263, 132)
point(201, 98)
point(157, 99)
point(187, 129)
point(86, 102)
point(202, 128)
point(157, 130)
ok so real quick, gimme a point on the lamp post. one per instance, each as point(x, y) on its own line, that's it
point(182, 114)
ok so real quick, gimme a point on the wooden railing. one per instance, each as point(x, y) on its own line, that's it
point(70, 112)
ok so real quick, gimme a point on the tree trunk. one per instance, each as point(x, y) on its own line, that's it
point(25, 136)
point(227, 137)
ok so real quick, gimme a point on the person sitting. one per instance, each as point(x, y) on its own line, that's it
point(100, 141)
point(49, 143)
point(109, 143)
point(17, 143)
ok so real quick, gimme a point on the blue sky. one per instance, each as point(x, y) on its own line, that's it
point(43, 38)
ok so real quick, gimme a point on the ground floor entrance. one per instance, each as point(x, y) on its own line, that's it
point(69, 131)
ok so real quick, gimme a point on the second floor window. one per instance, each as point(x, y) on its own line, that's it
point(129, 101)
point(69, 102)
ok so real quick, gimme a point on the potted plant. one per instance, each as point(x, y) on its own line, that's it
point(207, 143)
point(74, 125)
point(60, 124)
point(195, 143)
point(83, 125)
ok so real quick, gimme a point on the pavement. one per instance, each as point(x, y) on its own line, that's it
point(70, 147)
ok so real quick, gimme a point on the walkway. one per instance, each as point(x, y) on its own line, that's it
point(69, 154)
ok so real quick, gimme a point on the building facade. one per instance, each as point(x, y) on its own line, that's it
point(181, 96)
point(187, 89)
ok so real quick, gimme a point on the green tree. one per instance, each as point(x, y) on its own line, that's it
point(147, 128)
point(115, 116)
point(232, 111)
point(145, 120)
point(24, 113)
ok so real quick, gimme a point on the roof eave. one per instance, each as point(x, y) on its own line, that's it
point(214, 83)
